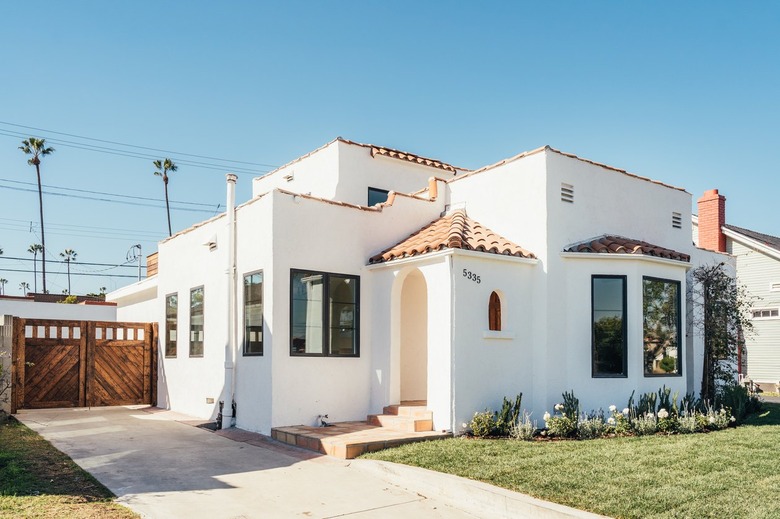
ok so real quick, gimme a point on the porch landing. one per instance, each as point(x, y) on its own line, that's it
point(405, 423)
point(349, 440)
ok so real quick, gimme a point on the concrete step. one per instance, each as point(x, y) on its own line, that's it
point(415, 411)
point(402, 423)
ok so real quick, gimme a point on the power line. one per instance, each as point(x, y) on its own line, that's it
point(104, 193)
point(137, 155)
point(81, 197)
point(138, 147)
point(56, 225)
point(126, 265)
point(75, 274)
point(133, 232)
point(125, 237)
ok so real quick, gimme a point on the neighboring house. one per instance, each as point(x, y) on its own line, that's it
point(360, 276)
point(758, 269)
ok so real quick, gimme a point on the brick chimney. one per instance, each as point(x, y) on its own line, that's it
point(712, 217)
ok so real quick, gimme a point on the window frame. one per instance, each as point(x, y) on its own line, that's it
point(679, 328)
point(326, 314)
point(385, 192)
point(769, 309)
point(494, 312)
point(167, 328)
point(593, 372)
point(244, 343)
point(203, 314)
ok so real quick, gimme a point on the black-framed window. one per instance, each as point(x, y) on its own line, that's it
point(253, 314)
point(196, 321)
point(171, 323)
point(377, 196)
point(324, 314)
point(609, 326)
point(661, 316)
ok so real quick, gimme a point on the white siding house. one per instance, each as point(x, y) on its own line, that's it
point(757, 258)
point(454, 288)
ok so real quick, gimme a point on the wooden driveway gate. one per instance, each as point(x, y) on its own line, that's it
point(82, 363)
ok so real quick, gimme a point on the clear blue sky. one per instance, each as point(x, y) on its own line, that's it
point(687, 93)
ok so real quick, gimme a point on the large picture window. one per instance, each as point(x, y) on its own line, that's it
point(253, 314)
point(171, 324)
point(609, 326)
point(324, 312)
point(661, 311)
point(196, 322)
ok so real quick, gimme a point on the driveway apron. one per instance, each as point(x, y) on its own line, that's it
point(162, 468)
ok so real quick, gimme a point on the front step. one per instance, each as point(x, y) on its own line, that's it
point(408, 418)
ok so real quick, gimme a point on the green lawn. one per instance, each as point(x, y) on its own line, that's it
point(37, 480)
point(730, 473)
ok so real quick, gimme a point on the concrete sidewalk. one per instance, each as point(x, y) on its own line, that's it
point(163, 468)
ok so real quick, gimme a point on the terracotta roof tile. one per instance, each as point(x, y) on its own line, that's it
point(620, 245)
point(388, 152)
point(453, 231)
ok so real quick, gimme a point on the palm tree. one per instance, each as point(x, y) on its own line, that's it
point(163, 167)
point(69, 255)
point(37, 148)
point(34, 249)
point(3, 281)
point(24, 287)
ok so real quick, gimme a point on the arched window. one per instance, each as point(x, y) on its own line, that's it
point(494, 313)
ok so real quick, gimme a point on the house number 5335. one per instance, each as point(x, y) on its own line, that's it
point(470, 275)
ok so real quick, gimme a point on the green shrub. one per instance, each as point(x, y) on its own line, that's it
point(562, 426)
point(592, 427)
point(668, 364)
point(524, 429)
point(571, 405)
point(508, 416)
point(483, 424)
point(645, 424)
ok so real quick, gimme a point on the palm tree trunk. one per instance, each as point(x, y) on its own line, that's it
point(68, 277)
point(35, 272)
point(167, 207)
point(43, 234)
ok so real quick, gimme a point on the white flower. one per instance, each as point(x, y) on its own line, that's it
point(625, 411)
point(612, 408)
point(733, 419)
point(546, 416)
point(662, 413)
point(712, 419)
point(611, 421)
point(722, 411)
point(649, 415)
point(465, 425)
point(559, 407)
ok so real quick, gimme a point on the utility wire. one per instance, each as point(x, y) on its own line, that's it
point(137, 155)
point(106, 200)
point(138, 147)
point(72, 262)
point(73, 274)
point(104, 193)
point(86, 227)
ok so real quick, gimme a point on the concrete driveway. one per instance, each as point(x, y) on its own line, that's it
point(161, 467)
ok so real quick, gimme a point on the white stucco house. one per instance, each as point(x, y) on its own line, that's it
point(360, 276)
point(757, 257)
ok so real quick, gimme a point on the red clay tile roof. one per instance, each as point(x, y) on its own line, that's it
point(388, 152)
point(620, 245)
point(453, 231)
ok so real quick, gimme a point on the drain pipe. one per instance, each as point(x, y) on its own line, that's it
point(231, 354)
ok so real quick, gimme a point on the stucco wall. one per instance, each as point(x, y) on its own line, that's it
point(344, 172)
point(38, 310)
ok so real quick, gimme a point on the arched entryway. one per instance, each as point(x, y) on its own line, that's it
point(413, 337)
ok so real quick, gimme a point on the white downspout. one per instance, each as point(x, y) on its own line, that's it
point(232, 353)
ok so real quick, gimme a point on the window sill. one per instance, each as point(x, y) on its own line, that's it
point(502, 335)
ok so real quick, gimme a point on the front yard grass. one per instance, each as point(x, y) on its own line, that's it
point(729, 473)
point(37, 480)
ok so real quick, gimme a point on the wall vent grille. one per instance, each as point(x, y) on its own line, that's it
point(567, 193)
point(677, 220)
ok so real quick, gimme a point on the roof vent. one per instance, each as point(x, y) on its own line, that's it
point(677, 220)
point(567, 193)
